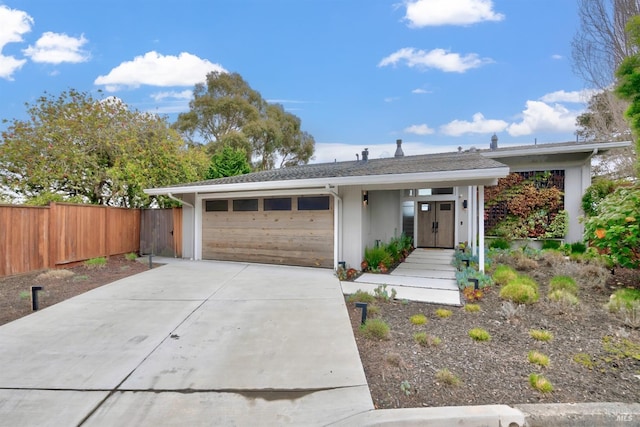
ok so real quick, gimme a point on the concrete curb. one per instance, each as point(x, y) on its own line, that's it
point(581, 414)
point(445, 416)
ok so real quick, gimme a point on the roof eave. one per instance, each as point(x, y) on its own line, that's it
point(426, 177)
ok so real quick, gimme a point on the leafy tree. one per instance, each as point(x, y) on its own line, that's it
point(228, 162)
point(616, 228)
point(628, 87)
point(599, 46)
point(225, 110)
point(97, 151)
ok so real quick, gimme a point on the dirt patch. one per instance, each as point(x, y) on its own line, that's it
point(403, 374)
point(59, 285)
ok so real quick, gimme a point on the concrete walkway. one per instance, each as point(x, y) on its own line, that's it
point(426, 275)
point(189, 343)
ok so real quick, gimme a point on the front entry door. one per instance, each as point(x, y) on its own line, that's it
point(435, 224)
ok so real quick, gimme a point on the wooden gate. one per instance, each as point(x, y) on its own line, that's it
point(161, 232)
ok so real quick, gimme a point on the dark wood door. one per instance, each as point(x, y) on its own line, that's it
point(436, 224)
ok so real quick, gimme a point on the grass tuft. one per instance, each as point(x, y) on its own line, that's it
point(447, 377)
point(375, 329)
point(563, 297)
point(98, 262)
point(540, 335)
point(131, 256)
point(361, 296)
point(418, 319)
point(584, 359)
point(443, 313)
point(479, 334)
point(426, 340)
point(55, 274)
point(472, 308)
point(538, 358)
point(564, 283)
point(540, 383)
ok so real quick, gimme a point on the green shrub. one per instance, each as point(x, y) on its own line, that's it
point(375, 329)
point(418, 319)
point(499, 243)
point(503, 274)
point(380, 292)
point(541, 335)
point(563, 283)
point(519, 293)
point(361, 296)
point(463, 276)
point(540, 383)
point(616, 228)
point(479, 334)
point(527, 281)
point(96, 262)
point(563, 297)
point(551, 244)
point(578, 248)
point(623, 299)
point(377, 256)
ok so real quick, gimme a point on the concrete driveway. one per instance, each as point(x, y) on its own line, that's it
point(189, 343)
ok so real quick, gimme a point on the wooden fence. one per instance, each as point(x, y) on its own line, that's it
point(35, 238)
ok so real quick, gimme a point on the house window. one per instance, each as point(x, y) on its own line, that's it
point(245, 205)
point(408, 211)
point(216, 205)
point(277, 204)
point(320, 203)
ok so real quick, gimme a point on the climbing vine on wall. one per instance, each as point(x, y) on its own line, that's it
point(526, 205)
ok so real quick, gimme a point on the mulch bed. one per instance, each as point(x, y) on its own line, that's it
point(402, 373)
point(15, 291)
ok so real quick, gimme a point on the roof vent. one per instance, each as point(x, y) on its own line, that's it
point(365, 155)
point(494, 142)
point(399, 152)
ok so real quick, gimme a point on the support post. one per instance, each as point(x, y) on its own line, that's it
point(34, 297)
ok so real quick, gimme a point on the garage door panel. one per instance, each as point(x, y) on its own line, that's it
point(279, 237)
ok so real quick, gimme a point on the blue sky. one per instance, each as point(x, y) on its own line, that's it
point(437, 74)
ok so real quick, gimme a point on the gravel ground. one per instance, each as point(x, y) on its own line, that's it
point(403, 374)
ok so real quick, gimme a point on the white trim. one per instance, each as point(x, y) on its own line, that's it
point(424, 177)
point(546, 149)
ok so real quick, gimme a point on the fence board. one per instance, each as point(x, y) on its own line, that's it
point(35, 238)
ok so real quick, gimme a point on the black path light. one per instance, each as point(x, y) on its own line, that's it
point(363, 306)
point(34, 297)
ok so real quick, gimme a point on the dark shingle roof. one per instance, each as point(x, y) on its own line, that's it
point(388, 166)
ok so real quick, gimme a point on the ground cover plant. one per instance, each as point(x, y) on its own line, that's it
point(542, 352)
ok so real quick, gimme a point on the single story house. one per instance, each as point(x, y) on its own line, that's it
point(321, 214)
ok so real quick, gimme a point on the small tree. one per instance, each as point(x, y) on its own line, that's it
point(228, 162)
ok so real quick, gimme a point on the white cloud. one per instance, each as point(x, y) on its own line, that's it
point(576, 96)
point(439, 59)
point(154, 69)
point(13, 24)
point(541, 117)
point(391, 99)
point(420, 91)
point(419, 129)
point(556, 56)
point(423, 13)
point(478, 125)
point(54, 48)
point(182, 95)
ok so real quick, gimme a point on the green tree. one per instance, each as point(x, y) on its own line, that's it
point(225, 110)
point(98, 151)
point(228, 162)
point(628, 87)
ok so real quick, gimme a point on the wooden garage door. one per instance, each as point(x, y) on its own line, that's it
point(279, 230)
